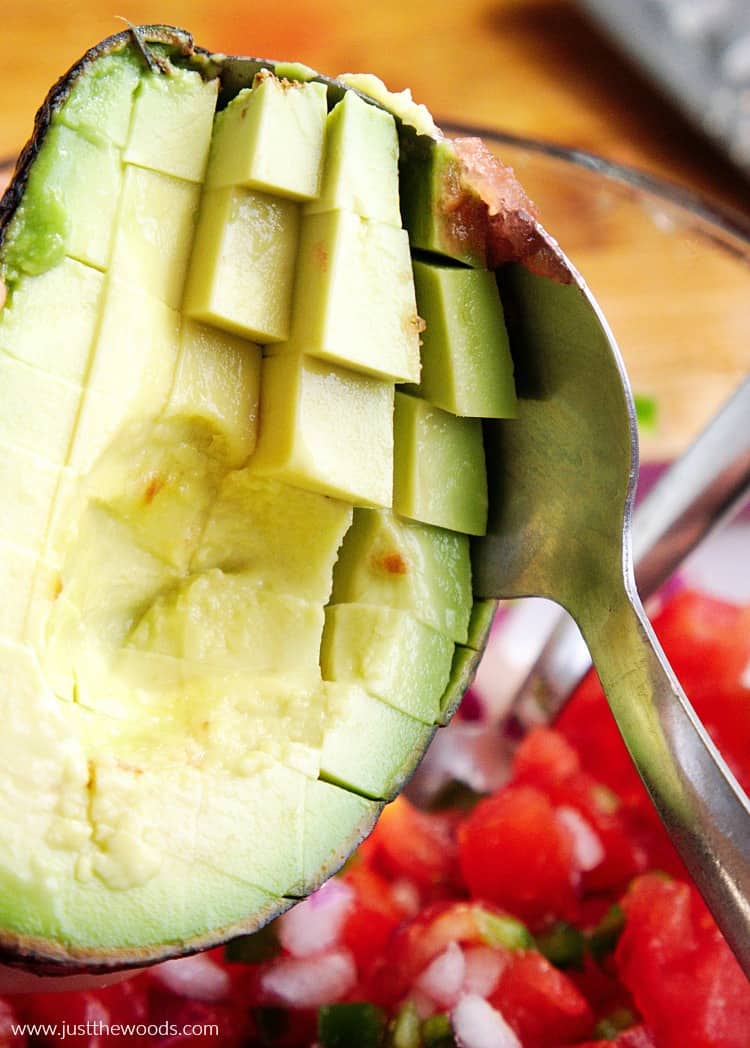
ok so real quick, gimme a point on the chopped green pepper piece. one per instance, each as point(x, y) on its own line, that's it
point(603, 939)
point(404, 1029)
point(437, 1032)
point(646, 412)
point(354, 1025)
point(563, 945)
point(613, 1024)
point(272, 1024)
point(499, 929)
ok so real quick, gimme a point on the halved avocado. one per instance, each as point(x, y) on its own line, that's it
point(210, 312)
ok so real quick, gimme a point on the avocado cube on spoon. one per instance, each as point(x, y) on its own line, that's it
point(466, 363)
point(430, 443)
point(232, 595)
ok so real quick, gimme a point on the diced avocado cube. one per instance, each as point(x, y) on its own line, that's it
point(467, 368)
point(430, 443)
point(218, 384)
point(482, 615)
point(390, 654)
point(101, 105)
point(420, 569)
point(261, 815)
point(172, 121)
point(17, 569)
point(87, 179)
point(238, 712)
point(47, 429)
point(243, 534)
point(354, 296)
point(78, 183)
point(463, 669)
point(335, 821)
point(137, 346)
point(326, 429)
point(271, 138)
point(132, 372)
point(441, 216)
point(50, 319)
point(204, 816)
point(242, 269)
point(369, 746)
point(27, 488)
point(107, 578)
point(360, 171)
point(232, 621)
point(161, 484)
point(154, 234)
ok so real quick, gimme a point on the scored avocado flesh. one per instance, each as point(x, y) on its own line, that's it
point(185, 450)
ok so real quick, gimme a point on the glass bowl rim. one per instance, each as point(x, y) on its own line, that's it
point(723, 217)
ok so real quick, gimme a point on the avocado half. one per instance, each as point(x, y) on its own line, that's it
point(251, 328)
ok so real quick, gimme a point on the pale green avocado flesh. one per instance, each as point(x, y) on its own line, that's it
point(235, 605)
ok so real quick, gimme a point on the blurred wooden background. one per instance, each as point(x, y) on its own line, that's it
point(534, 67)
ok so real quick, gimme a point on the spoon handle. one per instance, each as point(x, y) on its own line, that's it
point(699, 491)
point(701, 804)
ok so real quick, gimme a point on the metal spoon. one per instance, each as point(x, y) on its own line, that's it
point(701, 490)
point(562, 479)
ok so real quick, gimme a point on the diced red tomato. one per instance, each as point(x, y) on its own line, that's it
point(514, 852)
point(88, 1015)
point(635, 1037)
point(8, 1019)
point(420, 846)
point(708, 644)
point(683, 977)
point(373, 919)
point(546, 760)
point(418, 942)
point(193, 1024)
point(541, 1003)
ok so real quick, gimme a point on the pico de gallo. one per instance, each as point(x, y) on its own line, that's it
point(551, 912)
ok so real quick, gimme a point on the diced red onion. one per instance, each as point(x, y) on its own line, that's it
point(198, 977)
point(588, 849)
point(405, 894)
point(314, 925)
point(476, 1024)
point(483, 967)
point(307, 982)
point(425, 1005)
point(443, 978)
